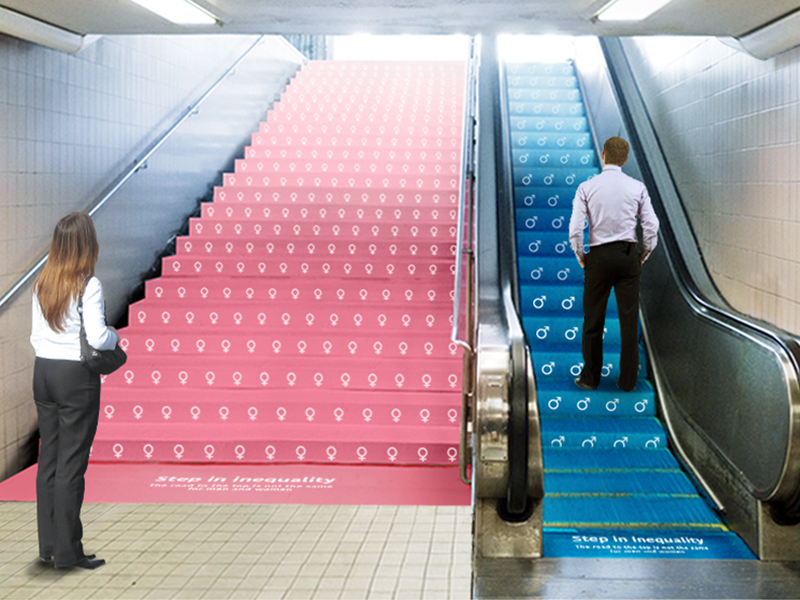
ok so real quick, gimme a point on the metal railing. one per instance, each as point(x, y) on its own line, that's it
point(463, 332)
point(141, 162)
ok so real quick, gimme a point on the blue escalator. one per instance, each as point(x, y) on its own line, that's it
point(612, 486)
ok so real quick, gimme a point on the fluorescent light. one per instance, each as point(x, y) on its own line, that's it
point(630, 10)
point(180, 12)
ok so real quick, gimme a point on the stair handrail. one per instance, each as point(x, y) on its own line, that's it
point(465, 240)
point(141, 161)
point(466, 199)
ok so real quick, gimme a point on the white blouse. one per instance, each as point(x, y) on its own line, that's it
point(66, 345)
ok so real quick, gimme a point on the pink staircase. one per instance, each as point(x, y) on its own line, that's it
point(306, 317)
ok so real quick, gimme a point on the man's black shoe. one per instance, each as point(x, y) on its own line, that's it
point(585, 386)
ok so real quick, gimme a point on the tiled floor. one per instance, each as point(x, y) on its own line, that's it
point(247, 551)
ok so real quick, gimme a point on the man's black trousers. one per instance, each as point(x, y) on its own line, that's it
point(615, 265)
point(67, 400)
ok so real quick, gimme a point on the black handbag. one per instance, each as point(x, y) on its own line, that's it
point(99, 362)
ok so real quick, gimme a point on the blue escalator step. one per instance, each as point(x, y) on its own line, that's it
point(675, 513)
point(553, 271)
point(573, 460)
point(606, 401)
point(553, 176)
point(556, 68)
point(592, 434)
point(549, 124)
point(564, 159)
point(543, 243)
point(564, 332)
point(566, 299)
point(668, 483)
point(542, 81)
point(644, 543)
point(545, 108)
point(542, 140)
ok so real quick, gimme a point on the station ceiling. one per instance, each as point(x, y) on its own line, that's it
point(341, 17)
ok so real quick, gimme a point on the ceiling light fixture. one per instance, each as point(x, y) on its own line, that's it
point(180, 12)
point(629, 10)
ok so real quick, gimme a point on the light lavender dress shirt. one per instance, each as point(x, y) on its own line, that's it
point(612, 201)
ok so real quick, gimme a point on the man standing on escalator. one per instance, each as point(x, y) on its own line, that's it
point(611, 202)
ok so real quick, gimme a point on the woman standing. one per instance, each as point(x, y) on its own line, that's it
point(67, 395)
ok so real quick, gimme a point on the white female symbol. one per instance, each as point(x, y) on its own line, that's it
point(310, 412)
point(318, 379)
point(392, 453)
point(201, 345)
point(301, 453)
point(226, 346)
point(373, 379)
point(213, 317)
point(367, 413)
point(195, 411)
point(362, 453)
point(148, 450)
point(156, 377)
point(178, 450)
point(251, 346)
point(396, 414)
point(281, 412)
point(425, 415)
point(331, 452)
point(118, 448)
point(109, 410)
point(150, 344)
point(237, 378)
point(124, 343)
point(210, 378)
point(291, 378)
point(423, 454)
point(426, 380)
point(452, 379)
point(253, 412)
point(452, 414)
point(428, 348)
point(352, 346)
point(264, 377)
point(262, 318)
point(209, 450)
point(377, 347)
point(345, 379)
point(452, 454)
point(239, 452)
point(137, 412)
point(223, 413)
point(338, 414)
point(270, 452)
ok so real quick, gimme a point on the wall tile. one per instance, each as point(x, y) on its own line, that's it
point(730, 126)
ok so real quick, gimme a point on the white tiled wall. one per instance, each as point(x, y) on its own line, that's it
point(68, 126)
point(730, 127)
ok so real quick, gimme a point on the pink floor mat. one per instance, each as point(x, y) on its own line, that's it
point(160, 483)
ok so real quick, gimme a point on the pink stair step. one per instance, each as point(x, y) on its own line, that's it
point(354, 269)
point(232, 442)
point(251, 406)
point(333, 196)
point(262, 289)
point(334, 141)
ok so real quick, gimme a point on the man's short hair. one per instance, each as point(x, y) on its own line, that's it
point(616, 151)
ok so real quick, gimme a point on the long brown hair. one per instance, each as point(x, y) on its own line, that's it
point(72, 259)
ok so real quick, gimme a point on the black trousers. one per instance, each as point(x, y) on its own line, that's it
point(615, 265)
point(67, 400)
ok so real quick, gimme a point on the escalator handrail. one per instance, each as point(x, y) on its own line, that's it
point(499, 328)
point(712, 306)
